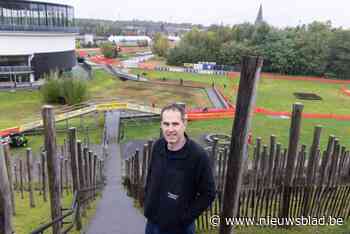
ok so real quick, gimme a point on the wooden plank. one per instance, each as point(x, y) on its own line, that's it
point(137, 173)
point(326, 159)
point(264, 165)
point(143, 174)
point(90, 173)
point(52, 165)
point(150, 146)
point(5, 197)
point(276, 173)
point(271, 160)
point(39, 178)
point(250, 74)
point(21, 175)
point(95, 172)
point(8, 161)
point(61, 174)
point(43, 174)
point(15, 171)
point(80, 161)
point(310, 173)
point(73, 151)
point(30, 176)
point(66, 176)
point(334, 164)
point(257, 160)
point(344, 200)
point(291, 159)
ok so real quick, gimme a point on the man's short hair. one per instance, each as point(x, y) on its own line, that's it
point(174, 107)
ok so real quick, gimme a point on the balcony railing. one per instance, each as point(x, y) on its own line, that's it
point(38, 28)
point(15, 69)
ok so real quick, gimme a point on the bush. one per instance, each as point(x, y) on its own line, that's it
point(50, 91)
point(64, 90)
point(109, 50)
point(74, 90)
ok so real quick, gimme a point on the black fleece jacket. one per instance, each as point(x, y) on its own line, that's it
point(178, 188)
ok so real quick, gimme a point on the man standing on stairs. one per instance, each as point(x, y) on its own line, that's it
point(180, 183)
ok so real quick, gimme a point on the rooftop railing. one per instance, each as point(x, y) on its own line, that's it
point(38, 28)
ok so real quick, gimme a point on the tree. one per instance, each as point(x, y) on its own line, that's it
point(109, 50)
point(339, 55)
point(160, 45)
point(231, 53)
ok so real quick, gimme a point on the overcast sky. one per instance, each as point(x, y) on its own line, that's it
point(278, 13)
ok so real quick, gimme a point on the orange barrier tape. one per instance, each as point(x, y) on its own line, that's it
point(345, 91)
point(102, 60)
point(286, 77)
point(8, 131)
point(225, 113)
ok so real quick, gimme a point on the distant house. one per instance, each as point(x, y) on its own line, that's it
point(131, 40)
point(35, 38)
point(90, 40)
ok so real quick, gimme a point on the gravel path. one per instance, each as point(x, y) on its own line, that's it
point(115, 211)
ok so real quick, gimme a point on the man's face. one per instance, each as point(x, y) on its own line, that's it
point(173, 127)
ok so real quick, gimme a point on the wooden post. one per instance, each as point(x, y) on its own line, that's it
point(43, 171)
point(29, 171)
point(257, 162)
point(310, 173)
point(212, 158)
point(52, 165)
point(15, 171)
point(86, 166)
point(143, 174)
point(66, 176)
point(5, 197)
point(326, 159)
point(61, 175)
point(73, 156)
point(21, 186)
point(81, 171)
point(7, 155)
point(39, 178)
point(291, 158)
point(90, 162)
point(137, 174)
point(250, 74)
point(94, 174)
point(271, 160)
point(150, 145)
point(86, 173)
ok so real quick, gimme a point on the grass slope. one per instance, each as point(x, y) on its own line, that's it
point(272, 94)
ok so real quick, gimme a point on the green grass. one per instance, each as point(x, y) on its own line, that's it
point(272, 94)
point(18, 107)
point(27, 219)
point(262, 126)
point(95, 134)
point(105, 86)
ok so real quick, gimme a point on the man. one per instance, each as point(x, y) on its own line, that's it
point(180, 184)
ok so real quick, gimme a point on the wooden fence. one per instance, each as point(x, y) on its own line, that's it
point(320, 183)
point(73, 169)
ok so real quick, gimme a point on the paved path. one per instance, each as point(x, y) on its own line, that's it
point(115, 212)
point(213, 97)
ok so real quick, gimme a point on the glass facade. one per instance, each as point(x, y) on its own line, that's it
point(36, 16)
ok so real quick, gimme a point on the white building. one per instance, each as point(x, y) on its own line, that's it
point(130, 40)
point(35, 38)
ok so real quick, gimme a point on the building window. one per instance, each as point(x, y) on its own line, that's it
point(21, 13)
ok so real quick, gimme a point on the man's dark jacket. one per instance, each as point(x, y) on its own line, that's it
point(178, 189)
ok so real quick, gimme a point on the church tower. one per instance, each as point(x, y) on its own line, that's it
point(259, 19)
